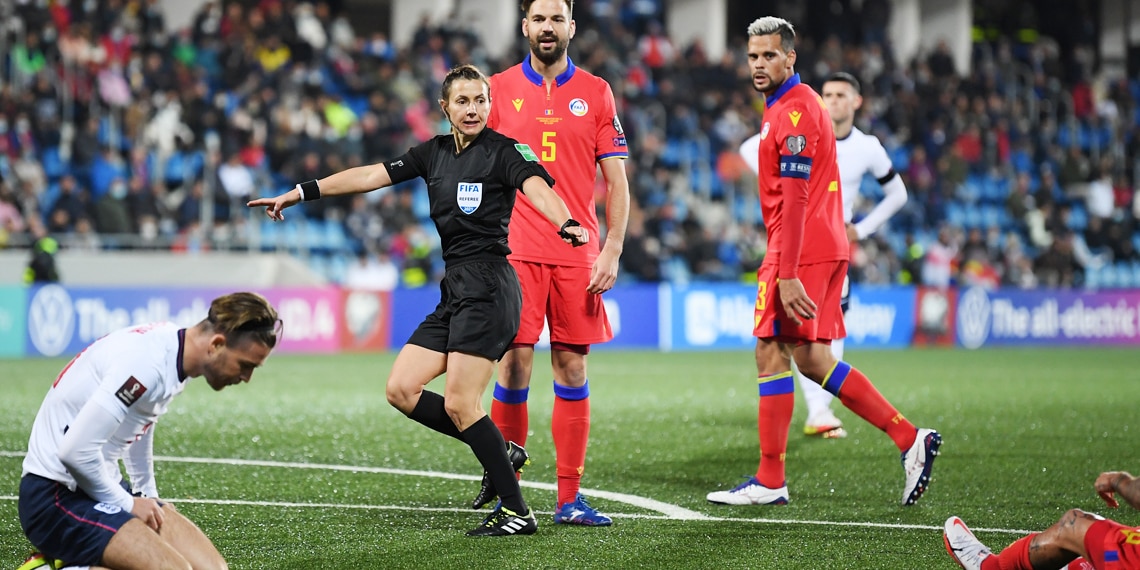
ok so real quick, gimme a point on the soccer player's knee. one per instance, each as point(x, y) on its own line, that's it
point(399, 396)
point(458, 409)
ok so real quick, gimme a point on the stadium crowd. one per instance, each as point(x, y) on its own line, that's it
point(117, 132)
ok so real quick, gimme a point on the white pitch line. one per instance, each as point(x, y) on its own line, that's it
point(669, 512)
point(282, 504)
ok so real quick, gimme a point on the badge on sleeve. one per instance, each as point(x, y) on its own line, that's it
point(527, 154)
point(130, 391)
point(469, 195)
point(795, 143)
point(617, 126)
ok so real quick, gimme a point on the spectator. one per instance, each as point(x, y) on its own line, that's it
point(941, 256)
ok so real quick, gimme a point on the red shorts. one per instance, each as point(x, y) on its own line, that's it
point(1113, 546)
point(824, 285)
point(557, 294)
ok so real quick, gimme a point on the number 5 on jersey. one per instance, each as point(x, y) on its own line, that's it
point(548, 148)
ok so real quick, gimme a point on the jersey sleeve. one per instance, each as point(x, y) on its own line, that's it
point(879, 164)
point(797, 133)
point(750, 152)
point(610, 141)
point(412, 164)
point(517, 163)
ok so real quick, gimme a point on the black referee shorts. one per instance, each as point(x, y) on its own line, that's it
point(478, 313)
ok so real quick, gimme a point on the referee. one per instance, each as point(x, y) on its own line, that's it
point(472, 175)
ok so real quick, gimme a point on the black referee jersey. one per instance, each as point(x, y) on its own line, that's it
point(472, 192)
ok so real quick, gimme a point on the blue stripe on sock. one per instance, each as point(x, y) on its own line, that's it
point(835, 379)
point(509, 396)
point(782, 383)
point(572, 394)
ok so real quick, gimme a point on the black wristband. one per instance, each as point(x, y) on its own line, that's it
point(310, 191)
point(570, 223)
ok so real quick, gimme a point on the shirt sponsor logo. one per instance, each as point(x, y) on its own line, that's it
point(130, 391)
point(51, 320)
point(579, 107)
point(795, 117)
point(764, 131)
point(469, 195)
point(526, 152)
point(795, 143)
point(617, 126)
point(517, 103)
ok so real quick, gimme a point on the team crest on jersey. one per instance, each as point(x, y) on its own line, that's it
point(108, 508)
point(795, 143)
point(579, 107)
point(617, 126)
point(517, 103)
point(130, 391)
point(469, 195)
point(764, 131)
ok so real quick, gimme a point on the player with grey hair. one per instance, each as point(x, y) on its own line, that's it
point(798, 312)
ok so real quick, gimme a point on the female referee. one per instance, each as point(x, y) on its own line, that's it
point(472, 175)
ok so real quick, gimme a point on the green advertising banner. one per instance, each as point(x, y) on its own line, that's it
point(13, 316)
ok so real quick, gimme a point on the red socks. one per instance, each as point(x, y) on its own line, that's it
point(570, 426)
point(1014, 557)
point(777, 400)
point(509, 412)
point(860, 396)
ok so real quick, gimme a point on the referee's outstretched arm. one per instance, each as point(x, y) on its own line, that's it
point(356, 180)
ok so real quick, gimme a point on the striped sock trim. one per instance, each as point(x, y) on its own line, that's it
point(572, 394)
point(509, 396)
point(835, 378)
point(776, 384)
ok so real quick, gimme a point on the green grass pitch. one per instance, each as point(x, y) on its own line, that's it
point(322, 473)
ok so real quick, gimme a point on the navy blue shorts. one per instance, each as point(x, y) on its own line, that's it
point(67, 525)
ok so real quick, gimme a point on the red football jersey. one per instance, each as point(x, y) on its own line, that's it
point(571, 125)
point(800, 193)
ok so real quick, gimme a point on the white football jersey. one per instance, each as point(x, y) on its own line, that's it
point(131, 375)
point(857, 154)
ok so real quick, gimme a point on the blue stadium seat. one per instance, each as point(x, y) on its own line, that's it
point(1079, 220)
point(1124, 276)
point(973, 216)
point(54, 166)
point(1092, 278)
point(270, 234)
point(900, 157)
point(335, 237)
point(1108, 277)
point(956, 214)
point(338, 267)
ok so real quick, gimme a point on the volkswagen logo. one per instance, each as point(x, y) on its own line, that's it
point(973, 317)
point(51, 320)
